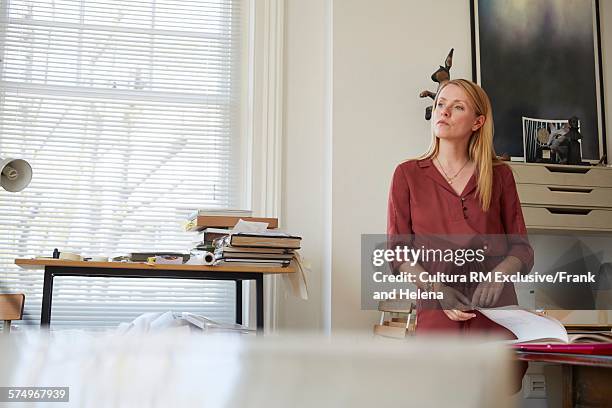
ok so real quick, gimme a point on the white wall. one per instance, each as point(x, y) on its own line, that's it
point(383, 57)
point(353, 113)
point(306, 170)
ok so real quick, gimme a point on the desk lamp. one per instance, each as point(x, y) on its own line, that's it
point(15, 174)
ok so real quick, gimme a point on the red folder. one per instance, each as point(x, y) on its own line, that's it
point(601, 349)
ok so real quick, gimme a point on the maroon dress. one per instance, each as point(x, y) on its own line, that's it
point(422, 203)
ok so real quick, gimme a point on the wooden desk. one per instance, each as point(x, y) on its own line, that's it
point(58, 267)
point(586, 378)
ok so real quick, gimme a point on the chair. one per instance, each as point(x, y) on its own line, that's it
point(11, 308)
point(401, 322)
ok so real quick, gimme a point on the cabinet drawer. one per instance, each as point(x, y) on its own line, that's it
point(567, 218)
point(562, 175)
point(578, 196)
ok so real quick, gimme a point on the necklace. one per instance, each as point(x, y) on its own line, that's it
point(450, 179)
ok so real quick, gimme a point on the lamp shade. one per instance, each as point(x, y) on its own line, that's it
point(15, 174)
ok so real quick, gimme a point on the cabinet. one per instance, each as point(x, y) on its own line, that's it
point(563, 197)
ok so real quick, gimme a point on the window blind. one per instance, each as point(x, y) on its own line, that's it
point(129, 113)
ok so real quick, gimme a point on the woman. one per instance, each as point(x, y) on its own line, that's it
point(459, 188)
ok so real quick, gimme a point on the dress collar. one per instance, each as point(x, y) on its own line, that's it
point(432, 172)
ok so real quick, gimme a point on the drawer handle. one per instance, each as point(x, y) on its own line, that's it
point(568, 211)
point(567, 170)
point(571, 189)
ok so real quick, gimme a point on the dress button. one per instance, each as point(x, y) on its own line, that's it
point(485, 247)
point(464, 208)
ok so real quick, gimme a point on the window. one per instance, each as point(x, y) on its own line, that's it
point(130, 113)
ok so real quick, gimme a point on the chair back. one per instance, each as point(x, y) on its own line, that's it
point(397, 319)
point(11, 308)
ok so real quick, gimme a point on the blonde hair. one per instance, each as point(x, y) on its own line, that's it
point(480, 146)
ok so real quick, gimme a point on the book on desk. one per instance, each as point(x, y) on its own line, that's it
point(541, 333)
point(257, 248)
point(201, 222)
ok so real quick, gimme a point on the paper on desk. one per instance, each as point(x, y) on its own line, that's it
point(168, 259)
point(249, 226)
point(296, 282)
point(526, 325)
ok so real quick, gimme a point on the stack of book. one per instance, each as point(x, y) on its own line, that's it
point(215, 227)
point(215, 224)
point(269, 248)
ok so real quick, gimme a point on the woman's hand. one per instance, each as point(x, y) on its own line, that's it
point(487, 294)
point(453, 303)
point(458, 316)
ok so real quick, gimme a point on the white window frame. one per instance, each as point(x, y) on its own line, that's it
point(265, 130)
point(262, 132)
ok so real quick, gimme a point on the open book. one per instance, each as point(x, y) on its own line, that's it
point(530, 327)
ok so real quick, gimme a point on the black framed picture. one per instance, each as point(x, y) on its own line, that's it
point(540, 59)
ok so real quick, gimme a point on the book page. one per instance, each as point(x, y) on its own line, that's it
point(527, 326)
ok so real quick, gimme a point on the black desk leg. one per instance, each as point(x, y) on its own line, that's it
point(260, 302)
point(45, 314)
point(238, 302)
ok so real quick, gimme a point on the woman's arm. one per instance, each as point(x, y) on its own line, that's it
point(399, 221)
point(514, 227)
point(453, 302)
point(520, 253)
